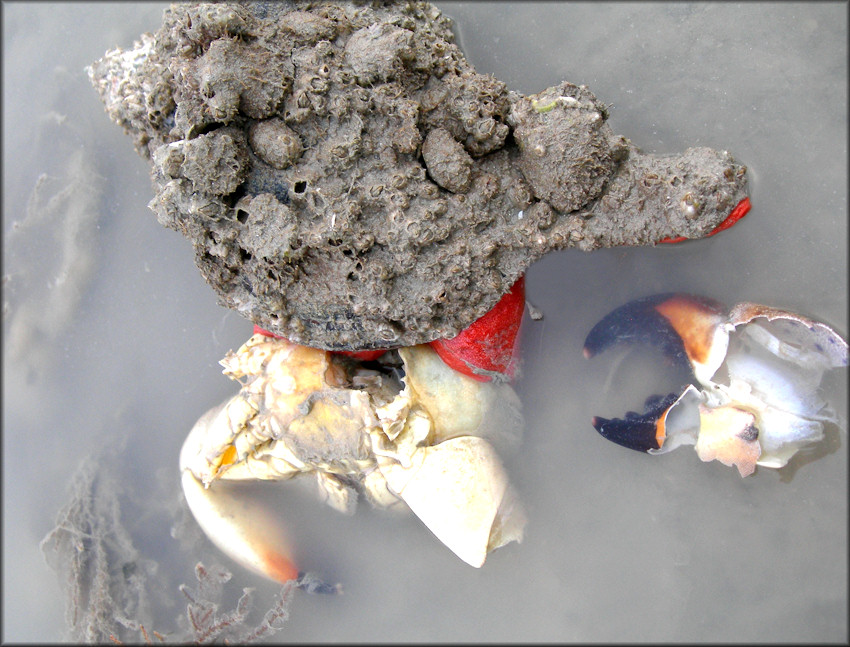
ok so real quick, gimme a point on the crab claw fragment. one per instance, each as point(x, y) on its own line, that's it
point(404, 432)
point(252, 538)
point(759, 369)
point(687, 329)
point(643, 432)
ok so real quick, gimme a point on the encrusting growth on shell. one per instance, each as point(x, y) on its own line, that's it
point(349, 181)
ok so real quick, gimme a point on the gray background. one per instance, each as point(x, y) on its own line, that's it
point(111, 336)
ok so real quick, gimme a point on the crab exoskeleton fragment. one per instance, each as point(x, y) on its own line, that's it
point(759, 370)
point(405, 432)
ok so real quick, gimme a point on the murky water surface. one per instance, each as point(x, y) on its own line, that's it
point(111, 338)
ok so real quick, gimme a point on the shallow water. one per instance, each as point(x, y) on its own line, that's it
point(111, 336)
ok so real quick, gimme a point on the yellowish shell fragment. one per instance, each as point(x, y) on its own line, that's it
point(729, 435)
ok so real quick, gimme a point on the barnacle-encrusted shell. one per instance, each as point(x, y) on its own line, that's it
point(349, 181)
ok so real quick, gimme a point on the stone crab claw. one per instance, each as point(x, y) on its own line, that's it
point(759, 370)
point(404, 431)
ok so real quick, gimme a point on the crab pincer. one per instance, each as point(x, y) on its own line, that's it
point(755, 394)
point(251, 536)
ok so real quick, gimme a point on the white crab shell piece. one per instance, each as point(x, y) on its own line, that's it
point(459, 405)
point(427, 447)
point(724, 433)
point(775, 364)
point(456, 489)
point(457, 485)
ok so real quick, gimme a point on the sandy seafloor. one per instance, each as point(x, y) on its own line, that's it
point(111, 338)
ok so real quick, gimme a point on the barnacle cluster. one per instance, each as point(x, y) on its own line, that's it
point(349, 181)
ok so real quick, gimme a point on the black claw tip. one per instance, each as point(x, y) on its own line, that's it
point(636, 322)
point(637, 431)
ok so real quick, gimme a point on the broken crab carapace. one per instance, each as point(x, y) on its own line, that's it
point(405, 433)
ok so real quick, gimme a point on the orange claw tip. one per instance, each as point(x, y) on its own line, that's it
point(489, 346)
point(740, 210)
point(695, 320)
point(278, 567)
point(700, 324)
